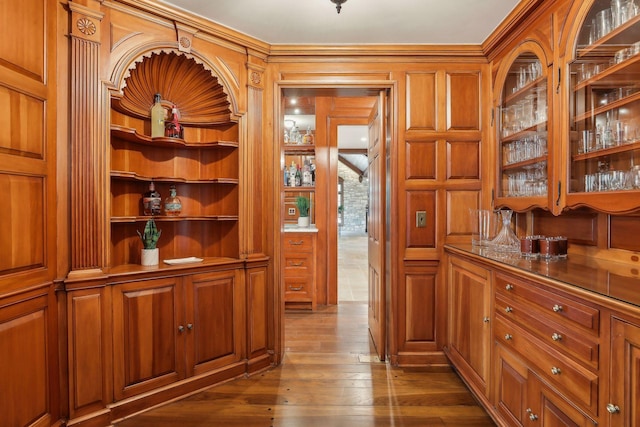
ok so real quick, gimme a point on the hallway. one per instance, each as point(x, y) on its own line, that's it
point(327, 379)
point(352, 268)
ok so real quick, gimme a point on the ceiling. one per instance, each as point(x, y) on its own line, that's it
point(359, 22)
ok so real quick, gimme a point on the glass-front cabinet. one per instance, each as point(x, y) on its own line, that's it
point(523, 167)
point(604, 109)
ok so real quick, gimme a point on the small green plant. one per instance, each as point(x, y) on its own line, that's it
point(150, 235)
point(303, 205)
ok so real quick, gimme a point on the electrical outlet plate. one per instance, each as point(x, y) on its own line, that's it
point(292, 211)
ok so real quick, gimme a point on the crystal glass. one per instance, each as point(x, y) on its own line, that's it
point(506, 240)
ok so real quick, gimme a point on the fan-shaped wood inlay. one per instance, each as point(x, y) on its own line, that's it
point(180, 80)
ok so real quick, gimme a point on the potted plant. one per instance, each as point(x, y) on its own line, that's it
point(149, 239)
point(303, 211)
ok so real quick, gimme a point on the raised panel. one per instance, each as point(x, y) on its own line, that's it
point(625, 363)
point(463, 101)
point(22, 223)
point(24, 367)
point(216, 320)
point(24, 50)
point(579, 227)
point(22, 123)
point(624, 232)
point(458, 205)
point(420, 303)
point(421, 237)
point(86, 362)
point(463, 160)
point(421, 160)
point(257, 311)
point(421, 101)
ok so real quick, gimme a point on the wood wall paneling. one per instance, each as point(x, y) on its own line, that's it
point(624, 232)
point(421, 105)
point(459, 202)
point(421, 160)
point(421, 237)
point(463, 101)
point(463, 160)
point(579, 227)
point(420, 307)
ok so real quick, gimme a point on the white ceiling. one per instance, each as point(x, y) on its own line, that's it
point(359, 22)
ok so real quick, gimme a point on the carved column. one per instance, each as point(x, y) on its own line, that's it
point(255, 188)
point(87, 150)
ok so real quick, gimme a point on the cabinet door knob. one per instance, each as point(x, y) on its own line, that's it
point(486, 319)
point(613, 409)
point(508, 309)
point(508, 337)
point(556, 337)
point(533, 417)
point(180, 328)
point(190, 326)
point(509, 287)
point(556, 371)
point(557, 308)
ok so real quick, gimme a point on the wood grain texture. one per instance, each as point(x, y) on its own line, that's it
point(327, 379)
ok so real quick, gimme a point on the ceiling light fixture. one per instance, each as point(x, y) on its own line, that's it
point(338, 4)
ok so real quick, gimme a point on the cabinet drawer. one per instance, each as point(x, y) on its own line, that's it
point(301, 263)
point(559, 371)
point(298, 288)
point(297, 242)
point(566, 340)
point(558, 308)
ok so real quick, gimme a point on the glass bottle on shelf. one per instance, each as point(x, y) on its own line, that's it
point(158, 114)
point(172, 204)
point(308, 137)
point(151, 201)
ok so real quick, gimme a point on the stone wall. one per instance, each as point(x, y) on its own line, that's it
point(355, 201)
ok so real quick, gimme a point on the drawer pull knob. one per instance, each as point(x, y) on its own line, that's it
point(557, 308)
point(180, 328)
point(556, 337)
point(508, 309)
point(486, 319)
point(533, 417)
point(296, 243)
point(556, 371)
point(509, 287)
point(189, 326)
point(296, 288)
point(508, 337)
point(296, 264)
point(613, 409)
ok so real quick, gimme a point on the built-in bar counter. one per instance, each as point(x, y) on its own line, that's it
point(604, 278)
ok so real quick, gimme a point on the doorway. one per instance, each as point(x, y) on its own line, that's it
point(349, 105)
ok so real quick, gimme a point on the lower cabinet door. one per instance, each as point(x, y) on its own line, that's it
point(510, 387)
point(547, 408)
point(623, 409)
point(148, 333)
point(215, 320)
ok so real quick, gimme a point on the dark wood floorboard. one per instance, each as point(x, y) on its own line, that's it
point(330, 377)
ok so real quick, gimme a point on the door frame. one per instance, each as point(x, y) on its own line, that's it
point(342, 88)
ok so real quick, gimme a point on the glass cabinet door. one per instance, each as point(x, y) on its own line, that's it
point(522, 153)
point(604, 110)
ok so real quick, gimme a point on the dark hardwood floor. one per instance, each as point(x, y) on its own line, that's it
point(329, 378)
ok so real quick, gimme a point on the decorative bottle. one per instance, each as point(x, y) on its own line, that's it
point(157, 117)
point(151, 201)
point(172, 204)
point(308, 137)
point(292, 174)
point(173, 128)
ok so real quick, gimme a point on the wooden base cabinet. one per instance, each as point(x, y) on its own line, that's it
point(299, 275)
point(469, 340)
point(168, 329)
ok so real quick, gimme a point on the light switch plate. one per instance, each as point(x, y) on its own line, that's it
point(421, 219)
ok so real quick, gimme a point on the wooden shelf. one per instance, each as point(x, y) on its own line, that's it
point(614, 37)
point(531, 130)
point(607, 151)
point(132, 176)
point(131, 135)
point(526, 89)
point(305, 149)
point(164, 218)
point(299, 189)
point(524, 163)
point(623, 74)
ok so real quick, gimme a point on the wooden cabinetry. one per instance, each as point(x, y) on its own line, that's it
point(171, 328)
point(604, 107)
point(299, 269)
point(523, 167)
point(622, 407)
point(469, 340)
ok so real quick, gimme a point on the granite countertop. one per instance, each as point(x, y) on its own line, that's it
point(619, 281)
point(294, 228)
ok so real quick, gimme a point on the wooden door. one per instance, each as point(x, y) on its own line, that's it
point(148, 335)
point(510, 387)
point(624, 395)
point(214, 321)
point(546, 408)
point(376, 226)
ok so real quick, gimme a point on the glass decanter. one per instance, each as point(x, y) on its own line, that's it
point(506, 240)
